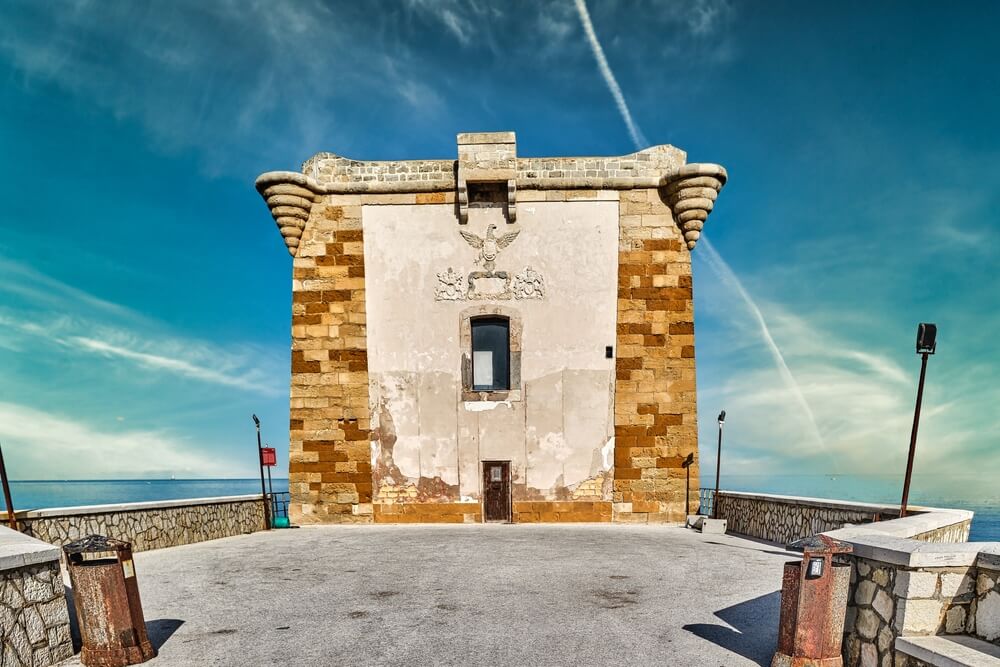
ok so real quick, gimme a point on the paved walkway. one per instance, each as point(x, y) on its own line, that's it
point(465, 595)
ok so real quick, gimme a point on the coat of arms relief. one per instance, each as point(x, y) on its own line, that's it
point(489, 283)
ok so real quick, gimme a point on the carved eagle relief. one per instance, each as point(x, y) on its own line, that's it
point(490, 246)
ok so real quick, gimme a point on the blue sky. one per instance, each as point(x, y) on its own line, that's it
point(145, 293)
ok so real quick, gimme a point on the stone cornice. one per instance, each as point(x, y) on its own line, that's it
point(689, 189)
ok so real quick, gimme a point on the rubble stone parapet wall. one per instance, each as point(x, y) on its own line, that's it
point(149, 525)
point(784, 519)
point(34, 618)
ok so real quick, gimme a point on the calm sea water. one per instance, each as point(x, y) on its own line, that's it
point(71, 493)
point(972, 494)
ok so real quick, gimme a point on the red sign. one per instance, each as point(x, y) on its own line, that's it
point(268, 457)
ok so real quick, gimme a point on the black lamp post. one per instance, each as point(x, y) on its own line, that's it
point(263, 489)
point(718, 468)
point(926, 346)
point(686, 464)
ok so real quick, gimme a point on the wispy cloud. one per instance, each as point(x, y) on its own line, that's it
point(60, 447)
point(78, 322)
point(17, 278)
point(248, 381)
point(187, 69)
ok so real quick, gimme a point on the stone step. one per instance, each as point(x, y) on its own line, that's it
point(713, 526)
point(950, 651)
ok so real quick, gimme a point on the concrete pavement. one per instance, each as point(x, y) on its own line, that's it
point(465, 595)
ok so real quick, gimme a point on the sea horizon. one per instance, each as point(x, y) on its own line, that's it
point(926, 490)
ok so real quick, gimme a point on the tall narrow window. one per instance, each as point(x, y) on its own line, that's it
point(490, 354)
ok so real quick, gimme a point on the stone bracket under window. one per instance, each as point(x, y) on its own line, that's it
point(487, 172)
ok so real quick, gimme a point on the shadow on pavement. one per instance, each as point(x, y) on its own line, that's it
point(763, 551)
point(161, 629)
point(158, 630)
point(756, 633)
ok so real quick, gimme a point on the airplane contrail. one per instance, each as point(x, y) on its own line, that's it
point(609, 78)
point(715, 260)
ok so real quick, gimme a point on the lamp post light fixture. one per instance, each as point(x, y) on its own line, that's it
point(260, 464)
point(718, 468)
point(926, 346)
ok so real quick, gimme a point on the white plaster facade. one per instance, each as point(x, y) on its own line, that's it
point(554, 426)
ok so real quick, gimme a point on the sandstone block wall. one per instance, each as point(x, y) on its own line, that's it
point(330, 471)
point(148, 525)
point(656, 424)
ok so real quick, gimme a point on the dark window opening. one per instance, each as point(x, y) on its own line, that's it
point(490, 354)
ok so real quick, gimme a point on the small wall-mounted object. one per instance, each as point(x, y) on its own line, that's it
point(609, 352)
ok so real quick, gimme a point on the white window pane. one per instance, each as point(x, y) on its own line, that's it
point(482, 367)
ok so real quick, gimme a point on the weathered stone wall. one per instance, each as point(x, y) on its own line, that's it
point(34, 618)
point(148, 526)
point(784, 519)
point(984, 612)
point(656, 423)
point(910, 577)
point(330, 472)
point(888, 601)
point(34, 621)
point(952, 534)
point(374, 364)
point(328, 168)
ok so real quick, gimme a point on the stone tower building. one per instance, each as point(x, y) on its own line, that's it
point(492, 337)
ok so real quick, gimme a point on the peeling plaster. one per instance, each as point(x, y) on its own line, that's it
point(482, 406)
point(608, 452)
point(555, 424)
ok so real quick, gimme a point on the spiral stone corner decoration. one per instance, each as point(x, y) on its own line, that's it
point(691, 194)
point(290, 198)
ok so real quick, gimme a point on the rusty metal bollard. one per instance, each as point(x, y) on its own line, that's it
point(108, 608)
point(813, 605)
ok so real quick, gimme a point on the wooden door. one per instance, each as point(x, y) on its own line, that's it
point(496, 490)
